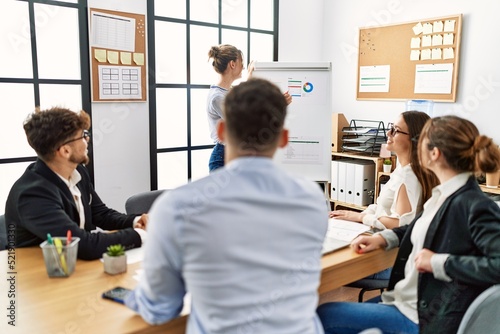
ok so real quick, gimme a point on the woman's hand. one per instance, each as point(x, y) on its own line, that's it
point(423, 261)
point(347, 215)
point(365, 244)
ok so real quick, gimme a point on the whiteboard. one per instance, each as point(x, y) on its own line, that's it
point(308, 120)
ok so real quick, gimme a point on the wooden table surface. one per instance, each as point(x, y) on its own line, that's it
point(75, 305)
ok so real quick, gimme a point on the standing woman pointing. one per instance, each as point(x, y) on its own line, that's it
point(228, 63)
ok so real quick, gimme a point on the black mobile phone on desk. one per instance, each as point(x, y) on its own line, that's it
point(117, 294)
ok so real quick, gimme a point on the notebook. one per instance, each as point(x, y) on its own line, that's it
point(340, 233)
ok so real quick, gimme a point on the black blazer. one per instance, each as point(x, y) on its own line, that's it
point(40, 203)
point(467, 226)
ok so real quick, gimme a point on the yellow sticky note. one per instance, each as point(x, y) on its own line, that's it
point(139, 58)
point(100, 55)
point(113, 57)
point(126, 58)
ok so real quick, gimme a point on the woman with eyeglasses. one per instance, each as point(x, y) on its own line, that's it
point(448, 255)
point(402, 196)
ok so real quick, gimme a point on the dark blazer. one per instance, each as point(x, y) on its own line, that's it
point(40, 203)
point(467, 226)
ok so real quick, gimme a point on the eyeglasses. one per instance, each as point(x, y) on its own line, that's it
point(393, 131)
point(85, 135)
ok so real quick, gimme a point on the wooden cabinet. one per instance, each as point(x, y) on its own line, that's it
point(378, 176)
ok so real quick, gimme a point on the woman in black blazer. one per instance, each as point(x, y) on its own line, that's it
point(448, 255)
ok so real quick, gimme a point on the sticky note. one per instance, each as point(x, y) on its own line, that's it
point(437, 26)
point(425, 54)
point(100, 55)
point(437, 40)
point(415, 42)
point(417, 28)
point(449, 25)
point(415, 55)
point(139, 58)
point(448, 53)
point(113, 57)
point(448, 39)
point(126, 58)
point(436, 53)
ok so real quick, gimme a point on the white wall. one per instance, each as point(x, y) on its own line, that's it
point(478, 91)
point(120, 136)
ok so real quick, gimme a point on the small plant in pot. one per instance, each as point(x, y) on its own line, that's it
point(115, 260)
point(387, 165)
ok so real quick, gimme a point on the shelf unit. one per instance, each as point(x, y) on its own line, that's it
point(378, 161)
point(363, 136)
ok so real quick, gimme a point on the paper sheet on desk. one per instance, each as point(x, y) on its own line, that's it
point(345, 230)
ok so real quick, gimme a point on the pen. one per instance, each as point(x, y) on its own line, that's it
point(50, 241)
point(59, 248)
point(68, 238)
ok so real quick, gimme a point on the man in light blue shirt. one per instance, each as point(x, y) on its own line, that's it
point(245, 241)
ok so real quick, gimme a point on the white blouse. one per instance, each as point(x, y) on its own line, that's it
point(386, 202)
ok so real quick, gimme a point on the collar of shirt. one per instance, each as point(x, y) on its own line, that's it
point(74, 178)
point(444, 190)
point(249, 162)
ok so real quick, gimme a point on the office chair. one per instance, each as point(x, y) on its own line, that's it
point(3, 233)
point(369, 284)
point(141, 203)
point(482, 316)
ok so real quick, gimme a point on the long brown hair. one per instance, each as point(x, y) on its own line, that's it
point(463, 148)
point(415, 120)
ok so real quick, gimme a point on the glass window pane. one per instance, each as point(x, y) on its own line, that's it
point(235, 13)
point(68, 1)
point(16, 102)
point(175, 9)
point(66, 96)
point(172, 170)
point(9, 174)
point(204, 10)
point(170, 43)
point(199, 163)
point(15, 57)
point(262, 14)
point(200, 133)
point(262, 46)
point(202, 39)
point(171, 117)
point(58, 42)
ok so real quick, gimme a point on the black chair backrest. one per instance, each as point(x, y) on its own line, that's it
point(141, 203)
point(3, 233)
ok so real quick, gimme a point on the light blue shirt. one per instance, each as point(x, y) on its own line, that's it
point(246, 243)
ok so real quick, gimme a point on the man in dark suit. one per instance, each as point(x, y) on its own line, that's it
point(55, 194)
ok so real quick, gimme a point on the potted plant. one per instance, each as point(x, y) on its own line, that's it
point(115, 260)
point(387, 165)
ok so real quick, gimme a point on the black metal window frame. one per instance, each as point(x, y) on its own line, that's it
point(154, 151)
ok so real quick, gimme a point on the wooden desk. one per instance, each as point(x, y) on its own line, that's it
point(74, 304)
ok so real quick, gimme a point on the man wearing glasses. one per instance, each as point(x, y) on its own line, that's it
point(55, 193)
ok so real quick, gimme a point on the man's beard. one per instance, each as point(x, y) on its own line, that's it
point(79, 160)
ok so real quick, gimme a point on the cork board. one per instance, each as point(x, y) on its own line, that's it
point(413, 60)
point(118, 56)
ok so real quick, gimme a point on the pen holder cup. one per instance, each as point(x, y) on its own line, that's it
point(60, 262)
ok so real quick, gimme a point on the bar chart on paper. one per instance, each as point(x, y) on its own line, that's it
point(303, 150)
